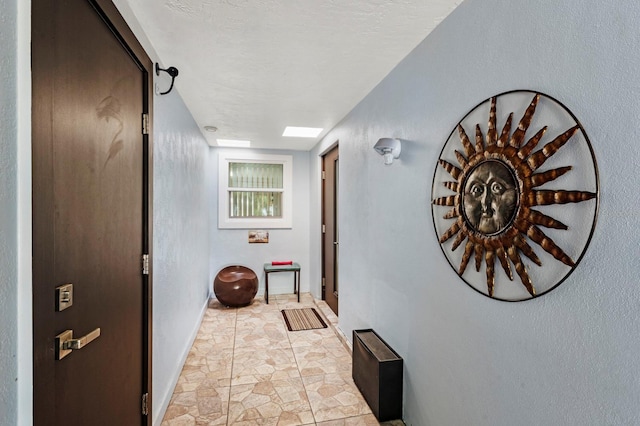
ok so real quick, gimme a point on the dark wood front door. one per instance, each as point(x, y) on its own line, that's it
point(330, 226)
point(90, 214)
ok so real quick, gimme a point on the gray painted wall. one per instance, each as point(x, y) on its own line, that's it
point(230, 246)
point(183, 199)
point(567, 358)
point(8, 215)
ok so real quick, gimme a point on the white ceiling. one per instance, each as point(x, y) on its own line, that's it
point(252, 67)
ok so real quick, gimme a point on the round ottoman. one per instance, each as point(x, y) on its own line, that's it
point(235, 286)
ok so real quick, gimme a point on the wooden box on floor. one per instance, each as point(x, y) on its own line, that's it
point(377, 372)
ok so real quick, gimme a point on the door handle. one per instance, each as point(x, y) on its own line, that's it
point(65, 343)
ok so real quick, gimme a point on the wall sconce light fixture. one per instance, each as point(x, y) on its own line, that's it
point(389, 148)
point(172, 71)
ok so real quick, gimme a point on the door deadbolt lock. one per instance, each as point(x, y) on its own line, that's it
point(65, 343)
point(64, 297)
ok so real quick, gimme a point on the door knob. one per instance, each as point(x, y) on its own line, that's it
point(65, 343)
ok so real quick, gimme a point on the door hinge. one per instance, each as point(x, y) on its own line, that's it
point(145, 404)
point(324, 175)
point(324, 228)
point(145, 264)
point(145, 123)
point(324, 283)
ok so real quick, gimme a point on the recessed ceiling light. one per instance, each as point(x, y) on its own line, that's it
point(302, 132)
point(234, 143)
point(211, 129)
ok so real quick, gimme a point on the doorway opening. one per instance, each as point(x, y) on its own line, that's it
point(330, 234)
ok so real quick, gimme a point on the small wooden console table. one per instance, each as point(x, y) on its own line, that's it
point(269, 268)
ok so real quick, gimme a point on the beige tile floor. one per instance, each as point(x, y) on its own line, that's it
point(246, 368)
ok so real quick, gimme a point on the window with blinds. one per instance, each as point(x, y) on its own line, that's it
point(255, 191)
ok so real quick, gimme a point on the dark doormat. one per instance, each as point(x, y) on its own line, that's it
point(303, 319)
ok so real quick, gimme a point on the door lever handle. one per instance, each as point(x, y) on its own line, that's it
point(65, 343)
point(83, 341)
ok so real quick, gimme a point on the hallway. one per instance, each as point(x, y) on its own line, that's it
point(246, 368)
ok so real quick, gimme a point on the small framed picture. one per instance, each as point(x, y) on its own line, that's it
point(258, 237)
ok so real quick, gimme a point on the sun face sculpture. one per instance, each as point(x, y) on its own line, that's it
point(498, 197)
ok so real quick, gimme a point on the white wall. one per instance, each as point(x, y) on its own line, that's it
point(566, 358)
point(230, 246)
point(15, 214)
point(181, 231)
point(25, 299)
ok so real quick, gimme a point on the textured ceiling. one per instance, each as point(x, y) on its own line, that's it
point(252, 67)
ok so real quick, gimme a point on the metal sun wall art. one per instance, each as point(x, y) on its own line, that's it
point(493, 199)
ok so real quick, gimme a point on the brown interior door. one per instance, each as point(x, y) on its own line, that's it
point(330, 221)
point(90, 216)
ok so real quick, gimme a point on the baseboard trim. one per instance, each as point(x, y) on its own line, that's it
point(158, 415)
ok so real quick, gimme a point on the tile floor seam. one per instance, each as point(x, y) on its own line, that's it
point(325, 380)
point(233, 360)
point(306, 393)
